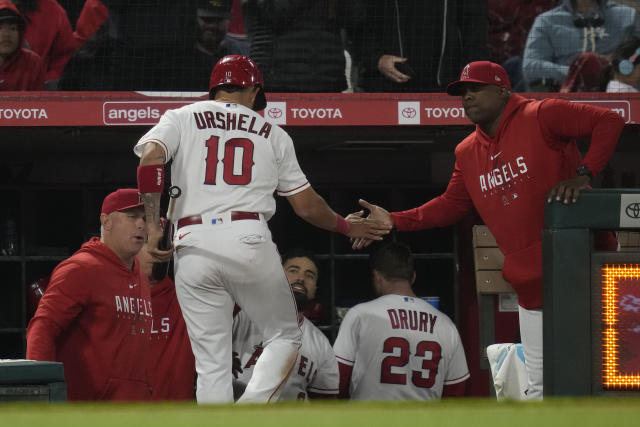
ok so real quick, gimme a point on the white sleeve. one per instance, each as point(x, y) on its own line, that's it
point(291, 179)
point(457, 370)
point(327, 377)
point(166, 133)
point(346, 344)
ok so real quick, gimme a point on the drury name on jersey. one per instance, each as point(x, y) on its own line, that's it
point(402, 318)
point(232, 121)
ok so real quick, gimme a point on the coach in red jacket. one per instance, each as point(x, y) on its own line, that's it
point(522, 153)
point(20, 69)
point(95, 315)
point(171, 365)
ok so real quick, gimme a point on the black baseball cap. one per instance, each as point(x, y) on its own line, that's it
point(214, 8)
point(9, 15)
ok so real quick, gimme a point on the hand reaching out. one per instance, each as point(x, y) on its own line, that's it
point(376, 213)
point(367, 228)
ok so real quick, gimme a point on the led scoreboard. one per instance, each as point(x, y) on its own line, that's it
point(620, 327)
point(591, 298)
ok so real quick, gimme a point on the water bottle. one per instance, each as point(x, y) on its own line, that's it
point(35, 291)
point(9, 238)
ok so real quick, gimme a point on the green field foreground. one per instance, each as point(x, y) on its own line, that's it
point(610, 411)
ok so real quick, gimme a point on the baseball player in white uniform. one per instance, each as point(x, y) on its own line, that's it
point(398, 347)
point(315, 373)
point(228, 161)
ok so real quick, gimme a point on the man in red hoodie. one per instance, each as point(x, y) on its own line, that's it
point(20, 69)
point(522, 153)
point(49, 34)
point(95, 315)
point(172, 367)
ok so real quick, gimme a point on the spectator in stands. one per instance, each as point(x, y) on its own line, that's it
point(236, 25)
point(509, 25)
point(95, 316)
point(143, 35)
point(631, 3)
point(398, 326)
point(90, 65)
point(297, 44)
point(170, 45)
point(585, 73)
point(93, 15)
point(172, 367)
point(210, 42)
point(415, 45)
point(575, 27)
point(20, 69)
point(623, 74)
point(48, 34)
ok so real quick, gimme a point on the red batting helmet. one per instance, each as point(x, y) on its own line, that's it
point(239, 70)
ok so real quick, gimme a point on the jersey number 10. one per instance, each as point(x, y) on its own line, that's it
point(229, 161)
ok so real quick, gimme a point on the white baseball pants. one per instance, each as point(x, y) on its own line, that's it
point(219, 263)
point(531, 336)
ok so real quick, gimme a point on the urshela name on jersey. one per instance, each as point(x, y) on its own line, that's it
point(401, 318)
point(232, 121)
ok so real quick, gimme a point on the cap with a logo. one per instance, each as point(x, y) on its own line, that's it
point(214, 8)
point(484, 72)
point(120, 200)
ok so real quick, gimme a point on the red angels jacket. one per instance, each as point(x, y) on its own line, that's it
point(95, 317)
point(50, 35)
point(24, 69)
point(506, 179)
point(172, 367)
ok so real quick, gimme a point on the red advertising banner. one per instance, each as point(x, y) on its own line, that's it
point(146, 108)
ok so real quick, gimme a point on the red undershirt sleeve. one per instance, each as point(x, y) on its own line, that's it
point(455, 390)
point(564, 120)
point(345, 380)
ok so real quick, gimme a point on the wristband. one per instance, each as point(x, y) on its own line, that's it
point(150, 178)
point(342, 226)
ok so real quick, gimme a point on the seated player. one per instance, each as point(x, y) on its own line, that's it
point(398, 347)
point(315, 373)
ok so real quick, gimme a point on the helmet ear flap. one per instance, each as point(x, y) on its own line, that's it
point(260, 103)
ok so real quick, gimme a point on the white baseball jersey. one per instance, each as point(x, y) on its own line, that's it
point(315, 370)
point(227, 158)
point(234, 162)
point(401, 348)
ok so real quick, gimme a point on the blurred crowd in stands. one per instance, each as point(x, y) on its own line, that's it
point(320, 45)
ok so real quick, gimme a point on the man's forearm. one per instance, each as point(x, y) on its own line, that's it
point(151, 207)
point(151, 180)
